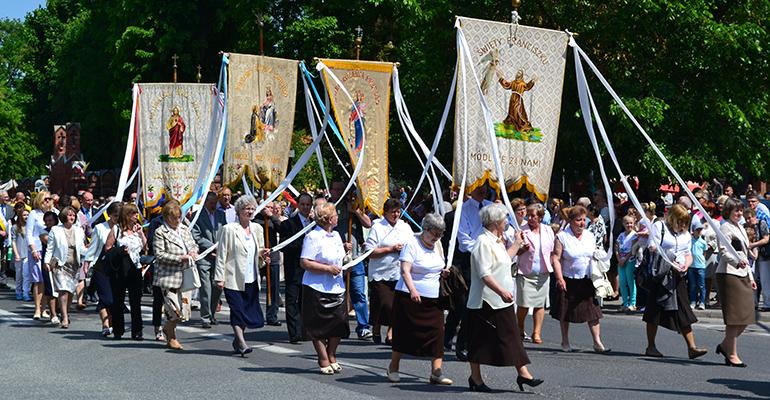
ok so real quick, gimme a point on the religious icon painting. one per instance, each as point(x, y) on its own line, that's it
point(364, 113)
point(260, 119)
point(173, 126)
point(520, 71)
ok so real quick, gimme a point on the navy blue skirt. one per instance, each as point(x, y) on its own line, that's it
point(245, 310)
point(103, 289)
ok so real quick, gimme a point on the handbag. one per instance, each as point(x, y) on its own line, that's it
point(601, 261)
point(191, 280)
point(602, 286)
point(645, 275)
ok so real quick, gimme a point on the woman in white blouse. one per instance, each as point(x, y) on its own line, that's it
point(239, 251)
point(66, 245)
point(324, 309)
point(387, 238)
point(493, 331)
point(575, 301)
point(418, 320)
point(35, 227)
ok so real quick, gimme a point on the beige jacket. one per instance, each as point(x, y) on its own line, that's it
point(728, 264)
point(231, 255)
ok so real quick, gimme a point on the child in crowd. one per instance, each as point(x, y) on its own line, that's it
point(696, 274)
point(627, 262)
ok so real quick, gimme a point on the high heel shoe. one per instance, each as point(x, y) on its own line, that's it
point(727, 359)
point(531, 382)
point(481, 387)
point(242, 351)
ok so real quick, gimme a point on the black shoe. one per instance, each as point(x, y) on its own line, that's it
point(462, 355)
point(138, 337)
point(727, 359)
point(295, 340)
point(481, 387)
point(115, 336)
point(205, 325)
point(377, 339)
point(274, 323)
point(531, 382)
point(214, 321)
point(388, 342)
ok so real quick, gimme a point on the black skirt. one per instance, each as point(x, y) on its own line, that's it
point(418, 328)
point(245, 310)
point(676, 320)
point(381, 302)
point(493, 337)
point(578, 303)
point(324, 315)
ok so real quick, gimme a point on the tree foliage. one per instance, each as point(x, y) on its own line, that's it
point(693, 72)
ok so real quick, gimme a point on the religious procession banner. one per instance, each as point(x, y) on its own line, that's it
point(368, 84)
point(261, 95)
point(173, 125)
point(521, 73)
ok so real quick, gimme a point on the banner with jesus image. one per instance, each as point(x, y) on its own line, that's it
point(521, 73)
point(173, 125)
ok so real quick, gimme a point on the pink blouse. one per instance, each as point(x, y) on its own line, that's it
point(545, 241)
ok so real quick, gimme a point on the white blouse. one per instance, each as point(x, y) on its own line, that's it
point(676, 245)
point(489, 258)
point(576, 253)
point(250, 272)
point(382, 234)
point(133, 243)
point(427, 265)
point(326, 248)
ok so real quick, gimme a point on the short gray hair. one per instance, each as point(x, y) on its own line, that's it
point(433, 222)
point(583, 201)
point(243, 201)
point(492, 214)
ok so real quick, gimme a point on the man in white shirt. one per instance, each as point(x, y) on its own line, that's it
point(225, 196)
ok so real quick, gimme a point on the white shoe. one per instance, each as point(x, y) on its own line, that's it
point(692, 306)
point(55, 321)
point(701, 306)
point(393, 376)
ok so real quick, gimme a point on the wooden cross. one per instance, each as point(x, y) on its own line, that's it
point(175, 57)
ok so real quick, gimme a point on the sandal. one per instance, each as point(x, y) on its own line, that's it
point(336, 367)
point(327, 370)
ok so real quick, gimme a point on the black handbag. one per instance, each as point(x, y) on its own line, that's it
point(646, 274)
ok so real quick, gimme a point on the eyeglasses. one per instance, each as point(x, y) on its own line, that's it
point(437, 235)
point(48, 199)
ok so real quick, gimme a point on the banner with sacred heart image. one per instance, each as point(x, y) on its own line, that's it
point(520, 70)
point(368, 84)
point(173, 125)
point(261, 95)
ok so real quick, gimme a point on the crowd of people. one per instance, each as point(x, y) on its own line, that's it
point(663, 263)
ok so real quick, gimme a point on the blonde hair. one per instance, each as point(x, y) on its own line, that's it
point(126, 210)
point(171, 208)
point(39, 200)
point(678, 218)
point(324, 213)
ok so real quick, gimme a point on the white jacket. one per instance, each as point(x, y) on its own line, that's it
point(58, 246)
point(232, 255)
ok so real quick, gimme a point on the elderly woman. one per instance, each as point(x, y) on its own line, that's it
point(66, 244)
point(239, 252)
point(493, 330)
point(35, 227)
point(418, 320)
point(668, 304)
point(387, 238)
point(533, 279)
point(324, 310)
point(175, 250)
point(126, 271)
point(735, 283)
point(575, 301)
point(99, 276)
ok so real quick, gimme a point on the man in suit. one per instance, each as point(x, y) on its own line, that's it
point(271, 224)
point(204, 233)
point(291, 269)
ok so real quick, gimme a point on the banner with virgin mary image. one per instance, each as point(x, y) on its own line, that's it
point(368, 84)
point(261, 95)
point(520, 70)
point(173, 126)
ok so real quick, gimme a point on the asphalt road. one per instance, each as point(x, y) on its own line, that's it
point(40, 361)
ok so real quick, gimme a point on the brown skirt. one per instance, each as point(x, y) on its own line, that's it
point(578, 303)
point(737, 299)
point(418, 328)
point(493, 337)
point(324, 315)
point(381, 302)
point(678, 320)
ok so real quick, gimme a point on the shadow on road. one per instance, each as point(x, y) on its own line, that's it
point(758, 388)
point(704, 395)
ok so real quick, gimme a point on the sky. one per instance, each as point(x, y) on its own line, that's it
point(17, 9)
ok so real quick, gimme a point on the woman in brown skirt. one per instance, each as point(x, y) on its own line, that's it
point(735, 283)
point(324, 310)
point(576, 302)
point(386, 240)
point(668, 305)
point(418, 320)
point(493, 332)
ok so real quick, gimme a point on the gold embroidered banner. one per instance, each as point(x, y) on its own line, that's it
point(261, 95)
point(521, 72)
point(368, 83)
point(173, 126)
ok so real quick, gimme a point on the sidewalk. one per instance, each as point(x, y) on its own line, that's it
point(613, 307)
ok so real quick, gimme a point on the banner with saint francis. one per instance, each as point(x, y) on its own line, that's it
point(521, 73)
point(368, 84)
point(261, 93)
point(173, 125)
